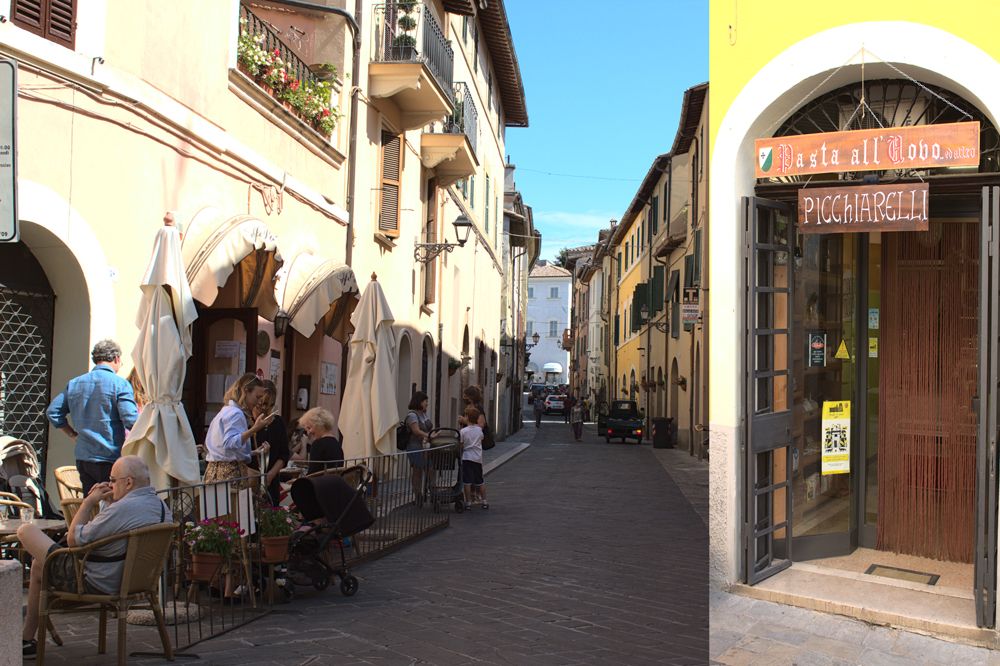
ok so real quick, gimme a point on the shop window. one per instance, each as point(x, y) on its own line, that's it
point(392, 158)
point(54, 20)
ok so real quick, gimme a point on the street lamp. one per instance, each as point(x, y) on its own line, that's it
point(426, 252)
point(535, 338)
point(661, 326)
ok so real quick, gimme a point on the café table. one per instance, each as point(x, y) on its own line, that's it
point(8, 526)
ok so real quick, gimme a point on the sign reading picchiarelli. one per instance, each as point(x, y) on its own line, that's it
point(825, 210)
point(913, 147)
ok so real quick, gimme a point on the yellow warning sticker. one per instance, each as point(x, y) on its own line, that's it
point(842, 352)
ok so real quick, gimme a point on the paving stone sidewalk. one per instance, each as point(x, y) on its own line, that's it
point(574, 563)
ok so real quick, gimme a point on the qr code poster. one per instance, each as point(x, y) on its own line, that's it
point(836, 437)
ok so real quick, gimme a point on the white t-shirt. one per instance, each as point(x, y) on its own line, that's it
point(472, 443)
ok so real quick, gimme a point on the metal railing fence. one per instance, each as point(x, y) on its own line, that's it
point(406, 31)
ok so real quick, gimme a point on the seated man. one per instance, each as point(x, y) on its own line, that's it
point(131, 503)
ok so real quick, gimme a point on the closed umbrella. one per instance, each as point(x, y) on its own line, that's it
point(162, 436)
point(369, 414)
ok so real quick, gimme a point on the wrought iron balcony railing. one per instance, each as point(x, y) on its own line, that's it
point(464, 119)
point(406, 31)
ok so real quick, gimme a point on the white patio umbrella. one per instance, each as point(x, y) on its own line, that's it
point(369, 413)
point(162, 436)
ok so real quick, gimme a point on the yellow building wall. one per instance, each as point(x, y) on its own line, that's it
point(745, 36)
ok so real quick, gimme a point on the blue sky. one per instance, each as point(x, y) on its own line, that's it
point(604, 83)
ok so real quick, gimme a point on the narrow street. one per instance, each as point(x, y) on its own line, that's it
point(575, 562)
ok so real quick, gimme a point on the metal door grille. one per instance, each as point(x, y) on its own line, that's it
point(25, 366)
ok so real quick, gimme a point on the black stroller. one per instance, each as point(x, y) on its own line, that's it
point(442, 462)
point(332, 510)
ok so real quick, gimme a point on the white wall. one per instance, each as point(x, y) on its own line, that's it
point(541, 310)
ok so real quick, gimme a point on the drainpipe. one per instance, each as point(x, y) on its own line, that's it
point(352, 154)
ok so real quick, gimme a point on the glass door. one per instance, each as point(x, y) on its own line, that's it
point(826, 410)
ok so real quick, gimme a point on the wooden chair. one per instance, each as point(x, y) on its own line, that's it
point(68, 482)
point(70, 506)
point(11, 505)
point(145, 555)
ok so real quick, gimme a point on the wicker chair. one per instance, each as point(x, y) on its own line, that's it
point(145, 554)
point(68, 482)
point(11, 505)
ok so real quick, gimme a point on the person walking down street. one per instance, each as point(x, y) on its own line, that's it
point(539, 408)
point(576, 420)
point(420, 426)
point(568, 404)
point(95, 410)
point(275, 435)
point(472, 459)
point(326, 450)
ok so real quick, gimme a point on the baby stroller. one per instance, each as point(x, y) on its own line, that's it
point(441, 464)
point(331, 511)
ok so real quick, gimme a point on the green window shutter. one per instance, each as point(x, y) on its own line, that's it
point(658, 295)
point(688, 270)
point(617, 329)
point(697, 257)
point(656, 217)
point(673, 294)
point(640, 297)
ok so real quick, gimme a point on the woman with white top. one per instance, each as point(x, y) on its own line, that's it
point(229, 441)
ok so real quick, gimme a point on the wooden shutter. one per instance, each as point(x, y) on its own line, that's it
point(658, 296)
point(54, 20)
point(392, 158)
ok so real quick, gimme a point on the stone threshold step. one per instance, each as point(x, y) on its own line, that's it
point(948, 613)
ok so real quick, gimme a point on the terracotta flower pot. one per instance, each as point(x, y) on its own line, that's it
point(205, 566)
point(275, 549)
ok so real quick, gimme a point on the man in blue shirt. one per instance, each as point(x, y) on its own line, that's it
point(100, 406)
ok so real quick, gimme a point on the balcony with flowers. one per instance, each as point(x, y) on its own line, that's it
point(278, 80)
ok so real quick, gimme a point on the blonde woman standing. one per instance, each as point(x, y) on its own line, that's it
point(229, 442)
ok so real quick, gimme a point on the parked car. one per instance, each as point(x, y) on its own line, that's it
point(555, 404)
point(624, 421)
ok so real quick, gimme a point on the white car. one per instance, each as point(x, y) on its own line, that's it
point(555, 404)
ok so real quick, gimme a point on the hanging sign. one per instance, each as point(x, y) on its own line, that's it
point(916, 146)
point(689, 308)
point(8, 152)
point(836, 437)
point(825, 210)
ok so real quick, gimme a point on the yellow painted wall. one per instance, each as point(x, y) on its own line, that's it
point(744, 36)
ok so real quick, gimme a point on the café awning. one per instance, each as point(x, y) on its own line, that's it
point(216, 245)
point(552, 367)
point(316, 292)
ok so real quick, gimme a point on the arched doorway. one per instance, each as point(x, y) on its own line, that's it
point(403, 373)
point(661, 393)
point(427, 365)
point(632, 386)
point(27, 313)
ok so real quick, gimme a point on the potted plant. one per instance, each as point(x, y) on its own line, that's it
point(211, 542)
point(276, 527)
point(453, 366)
point(404, 44)
point(324, 71)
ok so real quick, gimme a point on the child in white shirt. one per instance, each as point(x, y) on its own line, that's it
point(472, 458)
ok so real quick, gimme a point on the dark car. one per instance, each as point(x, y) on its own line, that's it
point(624, 421)
point(535, 391)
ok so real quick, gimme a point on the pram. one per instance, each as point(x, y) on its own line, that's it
point(440, 463)
point(331, 511)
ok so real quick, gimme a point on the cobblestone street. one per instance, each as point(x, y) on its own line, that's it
point(589, 554)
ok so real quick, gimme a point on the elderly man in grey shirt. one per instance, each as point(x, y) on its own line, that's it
point(130, 503)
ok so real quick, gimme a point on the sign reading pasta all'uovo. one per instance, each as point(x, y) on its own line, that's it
point(913, 147)
point(901, 207)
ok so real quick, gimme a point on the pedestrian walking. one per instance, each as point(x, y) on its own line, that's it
point(576, 420)
point(420, 426)
point(539, 408)
point(95, 410)
point(568, 404)
point(472, 459)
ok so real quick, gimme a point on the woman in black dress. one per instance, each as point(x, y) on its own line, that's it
point(276, 436)
point(325, 450)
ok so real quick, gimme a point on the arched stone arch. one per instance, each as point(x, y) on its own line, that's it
point(404, 368)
